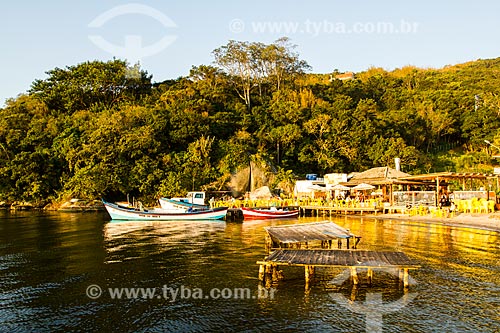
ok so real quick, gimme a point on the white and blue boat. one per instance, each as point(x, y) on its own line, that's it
point(124, 213)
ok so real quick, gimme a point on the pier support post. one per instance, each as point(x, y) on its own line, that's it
point(354, 293)
point(369, 275)
point(307, 276)
point(354, 276)
point(274, 269)
point(262, 272)
point(268, 270)
point(405, 278)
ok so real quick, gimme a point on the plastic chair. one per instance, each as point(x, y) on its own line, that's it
point(468, 206)
point(436, 212)
point(482, 206)
point(460, 205)
point(412, 211)
point(475, 205)
point(491, 206)
point(422, 210)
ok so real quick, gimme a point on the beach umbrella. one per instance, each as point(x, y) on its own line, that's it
point(340, 187)
point(317, 188)
point(363, 187)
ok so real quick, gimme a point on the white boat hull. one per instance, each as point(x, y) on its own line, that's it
point(119, 213)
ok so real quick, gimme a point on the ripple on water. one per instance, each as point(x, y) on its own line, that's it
point(44, 282)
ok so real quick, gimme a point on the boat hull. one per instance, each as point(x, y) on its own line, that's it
point(254, 214)
point(118, 213)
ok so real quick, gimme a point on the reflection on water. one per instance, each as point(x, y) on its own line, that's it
point(47, 261)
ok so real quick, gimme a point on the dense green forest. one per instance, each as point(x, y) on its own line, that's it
point(104, 129)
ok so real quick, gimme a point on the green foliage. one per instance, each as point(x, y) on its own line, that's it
point(257, 66)
point(91, 83)
point(100, 129)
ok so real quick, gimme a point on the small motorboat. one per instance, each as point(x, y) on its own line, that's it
point(271, 213)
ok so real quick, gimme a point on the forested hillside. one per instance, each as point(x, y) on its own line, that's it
point(104, 129)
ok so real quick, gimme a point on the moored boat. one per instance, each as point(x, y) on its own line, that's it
point(273, 213)
point(121, 213)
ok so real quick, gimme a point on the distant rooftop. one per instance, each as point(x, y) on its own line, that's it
point(380, 172)
point(343, 76)
point(377, 175)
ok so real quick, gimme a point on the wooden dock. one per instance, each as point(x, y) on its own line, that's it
point(324, 210)
point(304, 236)
point(352, 259)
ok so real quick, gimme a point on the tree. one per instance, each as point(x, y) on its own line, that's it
point(330, 142)
point(384, 150)
point(101, 129)
point(278, 62)
point(29, 170)
point(198, 164)
point(235, 59)
point(91, 84)
point(251, 65)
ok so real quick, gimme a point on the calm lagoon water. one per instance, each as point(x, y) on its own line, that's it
point(56, 271)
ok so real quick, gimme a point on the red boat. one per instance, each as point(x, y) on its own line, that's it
point(272, 213)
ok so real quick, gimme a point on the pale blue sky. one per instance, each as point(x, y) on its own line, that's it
point(37, 36)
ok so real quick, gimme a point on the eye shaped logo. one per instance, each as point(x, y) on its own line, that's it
point(132, 50)
point(373, 308)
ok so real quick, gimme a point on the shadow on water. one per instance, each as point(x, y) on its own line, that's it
point(50, 262)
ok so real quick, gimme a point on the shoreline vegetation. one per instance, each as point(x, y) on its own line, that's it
point(106, 130)
point(487, 222)
point(74, 205)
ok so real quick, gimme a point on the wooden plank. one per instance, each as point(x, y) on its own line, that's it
point(322, 231)
point(339, 258)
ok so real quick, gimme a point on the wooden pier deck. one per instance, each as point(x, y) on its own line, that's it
point(316, 210)
point(352, 259)
point(302, 235)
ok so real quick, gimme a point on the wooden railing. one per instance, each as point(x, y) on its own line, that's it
point(237, 203)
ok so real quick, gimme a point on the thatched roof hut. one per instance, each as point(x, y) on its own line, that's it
point(378, 176)
point(384, 177)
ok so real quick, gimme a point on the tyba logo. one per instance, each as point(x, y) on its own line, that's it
point(132, 50)
point(373, 308)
